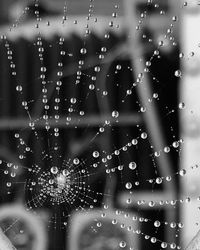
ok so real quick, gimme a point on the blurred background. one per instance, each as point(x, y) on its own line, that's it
point(86, 56)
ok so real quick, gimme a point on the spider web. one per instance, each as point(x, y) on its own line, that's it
point(83, 144)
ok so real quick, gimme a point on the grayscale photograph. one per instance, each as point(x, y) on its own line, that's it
point(99, 124)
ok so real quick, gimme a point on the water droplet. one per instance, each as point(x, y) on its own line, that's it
point(164, 245)
point(148, 63)
point(97, 69)
point(175, 144)
point(91, 86)
point(8, 184)
point(83, 51)
point(134, 141)
point(122, 244)
point(174, 18)
point(181, 105)
point(65, 172)
point(157, 223)
point(182, 172)
point(95, 154)
point(51, 181)
point(115, 114)
point(76, 161)
point(99, 224)
point(144, 135)
point(181, 55)
point(168, 178)
point(132, 165)
point(172, 245)
point(158, 180)
point(166, 149)
point(54, 170)
point(153, 239)
point(118, 67)
point(178, 73)
point(73, 100)
point(128, 185)
point(152, 203)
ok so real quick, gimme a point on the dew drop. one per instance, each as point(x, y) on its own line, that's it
point(134, 141)
point(144, 135)
point(76, 161)
point(182, 172)
point(158, 180)
point(122, 244)
point(19, 88)
point(83, 51)
point(178, 73)
point(181, 105)
point(157, 223)
point(163, 245)
point(132, 165)
point(95, 154)
point(54, 170)
point(115, 114)
point(128, 185)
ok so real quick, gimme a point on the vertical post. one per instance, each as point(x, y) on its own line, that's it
point(151, 117)
point(5, 243)
point(190, 119)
